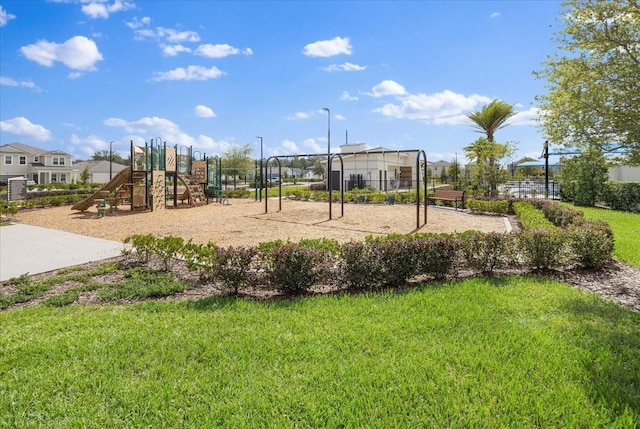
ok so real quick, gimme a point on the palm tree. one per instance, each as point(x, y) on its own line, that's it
point(491, 118)
point(487, 152)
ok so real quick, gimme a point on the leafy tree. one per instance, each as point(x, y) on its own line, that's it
point(485, 152)
point(453, 171)
point(583, 177)
point(593, 85)
point(236, 161)
point(444, 178)
point(318, 167)
point(103, 155)
point(85, 175)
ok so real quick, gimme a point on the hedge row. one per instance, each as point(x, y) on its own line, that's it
point(622, 195)
point(391, 261)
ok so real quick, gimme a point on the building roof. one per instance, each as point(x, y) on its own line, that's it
point(31, 150)
point(534, 164)
point(98, 166)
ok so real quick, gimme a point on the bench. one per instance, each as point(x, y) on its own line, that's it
point(448, 195)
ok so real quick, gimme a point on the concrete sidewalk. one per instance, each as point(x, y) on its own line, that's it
point(33, 250)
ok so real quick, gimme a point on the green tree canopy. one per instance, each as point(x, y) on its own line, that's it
point(237, 160)
point(491, 118)
point(593, 84)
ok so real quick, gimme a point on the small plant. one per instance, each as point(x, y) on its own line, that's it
point(168, 249)
point(233, 266)
point(142, 245)
point(360, 267)
point(435, 256)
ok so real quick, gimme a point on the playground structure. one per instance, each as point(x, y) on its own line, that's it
point(152, 180)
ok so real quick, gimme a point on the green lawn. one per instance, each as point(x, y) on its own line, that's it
point(512, 352)
point(626, 231)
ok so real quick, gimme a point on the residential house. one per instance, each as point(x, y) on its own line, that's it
point(99, 171)
point(624, 173)
point(40, 165)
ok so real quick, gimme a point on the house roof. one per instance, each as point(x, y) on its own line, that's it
point(31, 150)
point(534, 164)
point(98, 166)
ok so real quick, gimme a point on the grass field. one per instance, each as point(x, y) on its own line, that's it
point(626, 231)
point(511, 352)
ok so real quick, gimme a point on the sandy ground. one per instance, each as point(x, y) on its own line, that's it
point(244, 222)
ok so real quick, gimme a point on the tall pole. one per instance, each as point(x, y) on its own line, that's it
point(326, 109)
point(111, 160)
point(261, 156)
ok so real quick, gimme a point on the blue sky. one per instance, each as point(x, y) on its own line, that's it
point(75, 75)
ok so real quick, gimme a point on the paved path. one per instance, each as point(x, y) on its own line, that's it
point(32, 249)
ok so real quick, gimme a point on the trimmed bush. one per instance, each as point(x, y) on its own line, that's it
point(531, 217)
point(542, 248)
point(360, 265)
point(591, 244)
point(484, 252)
point(292, 268)
point(488, 206)
point(435, 256)
point(233, 266)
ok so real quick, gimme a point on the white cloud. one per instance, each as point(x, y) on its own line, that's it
point(328, 48)
point(173, 50)
point(190, 73)
point(74, 75)
point(527, 117)
point(289, 146)
point(151, 127)
point(299, 115)
point(137, 23)
point(494, 15)
point(87, 146)
point(5, 17)
point(346, 67)
point(102, 10)
point(204, 111)
point(312, 146)
point(340, 117)
point(446, 107)
point(387, 87)
point(7, 81)
point(348, 97)
point(220, 51)
point(22, 127)
point(78, 53)
point(167, 34)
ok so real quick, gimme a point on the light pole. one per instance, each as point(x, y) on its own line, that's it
point(326, 109)
point(111, 159)
point(260, 198)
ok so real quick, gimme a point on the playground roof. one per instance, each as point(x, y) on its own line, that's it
point(535, 164)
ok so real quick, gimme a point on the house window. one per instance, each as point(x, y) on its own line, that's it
point(54, 177)
point(58, 160)
point(63, 177)
point(36, 159)
point(23, 160)
point(8, 160)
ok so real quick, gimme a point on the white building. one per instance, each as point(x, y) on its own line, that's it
point(379, 168)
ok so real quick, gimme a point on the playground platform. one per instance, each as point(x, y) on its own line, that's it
point(34, 250)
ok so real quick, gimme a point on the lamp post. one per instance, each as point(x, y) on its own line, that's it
point(326, 109)
point(111, 159)
point(260, 198)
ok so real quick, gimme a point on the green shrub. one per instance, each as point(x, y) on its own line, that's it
point(622, 195)
point(292, 268)
point(488, 206)
point(142, 246)
point(531, 217)
point(202, 258)
point(396, 260)
point(558, 214)
point(435, 256)
point(591, 244)
point(542, 248)
point(63, 299)
point(168, 249)
point(360, 267)
point(233, 266)
point(484, 252)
